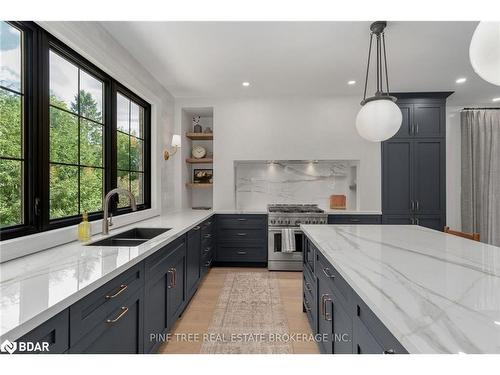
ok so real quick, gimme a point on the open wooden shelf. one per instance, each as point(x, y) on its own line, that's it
point(200, 136)
point(198, 186)
point(199, 161)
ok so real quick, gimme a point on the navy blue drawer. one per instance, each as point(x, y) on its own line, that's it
point(241, 221)
point(242, 235)
point(366, 319)
point(340, 288)
point(234, 252)
point(354, 219)
point(54, 332)
point(87, 313)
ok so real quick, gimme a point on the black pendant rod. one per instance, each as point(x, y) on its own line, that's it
point(385, 63)
point(368, 64)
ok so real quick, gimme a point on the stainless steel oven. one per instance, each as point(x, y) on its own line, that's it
point(277, 260)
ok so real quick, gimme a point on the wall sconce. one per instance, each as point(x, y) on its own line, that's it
point(176, 144)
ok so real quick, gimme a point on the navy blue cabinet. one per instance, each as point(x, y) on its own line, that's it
point(242, 238)
point(130, 313)
point(120, 332)
point(54, 334)
point(414, 163)
point(339, 315)
point(176, 295)
point(193, 258)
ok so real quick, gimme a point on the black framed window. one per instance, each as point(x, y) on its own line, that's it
point(12, 126)
point(76, 139)
point(130, 147)
point(63, 141)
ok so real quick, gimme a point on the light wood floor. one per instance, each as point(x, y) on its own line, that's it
point(198, 315)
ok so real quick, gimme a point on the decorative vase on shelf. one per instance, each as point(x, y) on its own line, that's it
point(207, 130)
point(196, 124)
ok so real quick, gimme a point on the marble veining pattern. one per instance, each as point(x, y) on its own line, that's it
point(258, 183)
point(435, 292)
point(36, 287)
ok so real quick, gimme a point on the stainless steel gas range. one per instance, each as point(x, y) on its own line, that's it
point(285, 237)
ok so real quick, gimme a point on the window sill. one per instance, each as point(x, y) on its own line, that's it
point(21, 246)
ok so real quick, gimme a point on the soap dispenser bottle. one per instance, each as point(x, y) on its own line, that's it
point(84, 228)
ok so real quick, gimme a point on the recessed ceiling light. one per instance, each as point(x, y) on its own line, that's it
point(496, 99)
point(461, 80)
point(246, 84)
point(351, 82)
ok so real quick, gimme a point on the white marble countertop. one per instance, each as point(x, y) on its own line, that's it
point(36, 287)
point(436, 293)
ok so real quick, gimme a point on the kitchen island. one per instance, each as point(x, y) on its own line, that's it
point(401, 288)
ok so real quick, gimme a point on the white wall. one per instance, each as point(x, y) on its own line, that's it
point(294, 128)
point(453, 168)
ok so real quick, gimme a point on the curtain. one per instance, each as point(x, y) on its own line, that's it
point(481, 173)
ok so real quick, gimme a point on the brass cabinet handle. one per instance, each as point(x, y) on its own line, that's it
point(207, 264)
point(124, 311)
point(241, 219)
point(241, 252)
point(123, 288)
point(412, 205)
point(326, 272)
point(175, 277)
point(416, 128)
point(308, 287)
point(417, 205)
point(327, 316)
point(207, 249)
point(196, 227)
point(241, 234)
point(355, 220)
point(208, 235)
point(171, 283)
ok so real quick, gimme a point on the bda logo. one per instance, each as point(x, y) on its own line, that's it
point(8, 346)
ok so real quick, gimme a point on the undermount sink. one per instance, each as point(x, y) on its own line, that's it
point(130, 238)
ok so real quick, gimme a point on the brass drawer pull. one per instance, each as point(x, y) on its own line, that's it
point(308, 287)
point(207, 250)
point(389, 351)
point(123, 288)
point(326, 271)
point(171, 283)
point(207, 264)
point(208, 235)
point(196, 227)
point(306, 305)
point(241, 234)
point(124, 311)
point(355, 220)
point(241, 252)
point(241, 219)
point(324, 298)
point(175, 277)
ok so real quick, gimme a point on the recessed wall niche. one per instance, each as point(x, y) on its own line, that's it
point(259, 183)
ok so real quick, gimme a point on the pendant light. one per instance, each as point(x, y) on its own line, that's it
point(484, 51)
point(379, 118)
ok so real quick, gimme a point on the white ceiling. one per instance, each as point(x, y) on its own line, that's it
point(212, 59)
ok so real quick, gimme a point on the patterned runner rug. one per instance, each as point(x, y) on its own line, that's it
point(249, 317)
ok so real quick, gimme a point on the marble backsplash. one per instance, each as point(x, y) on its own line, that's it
point(259, 183)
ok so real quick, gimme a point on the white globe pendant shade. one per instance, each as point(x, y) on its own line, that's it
point(379, 120)
point(484, 51)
